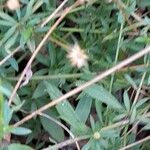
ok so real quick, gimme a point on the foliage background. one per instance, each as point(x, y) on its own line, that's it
point(108, 34)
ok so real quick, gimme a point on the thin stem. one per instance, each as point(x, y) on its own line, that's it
point(136, 143)
point(69, 29)
point(140, 86)
point(116, 57)
point(68, 142)
point(87, 84)
point(116, 125)
point(54, 13)
point(59, 43)
point(61, 125)
point(123, 6)
point(76, 75)
point(49, 77)
point(67, 10)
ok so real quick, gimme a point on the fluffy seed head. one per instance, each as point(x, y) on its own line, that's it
point(13, 4)
point(77, 56)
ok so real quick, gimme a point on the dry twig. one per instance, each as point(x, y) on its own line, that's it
point(136, 143)
point(54, 13)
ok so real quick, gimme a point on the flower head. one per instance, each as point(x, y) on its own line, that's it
point(77, 56)
point(13, 4)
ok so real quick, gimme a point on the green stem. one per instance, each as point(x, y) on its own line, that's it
point(65, 29)
point(141, 83)
point(50, 77)
point(116, 57)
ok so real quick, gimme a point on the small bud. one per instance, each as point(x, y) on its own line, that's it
point(97, 135)
point(77, 56)
point(13, 4)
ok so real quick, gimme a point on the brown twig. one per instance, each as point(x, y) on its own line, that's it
point(54, 13)
point(87, 84)
point(67, 10)
point(123, 6)
point(136, 143)
point(67, 142)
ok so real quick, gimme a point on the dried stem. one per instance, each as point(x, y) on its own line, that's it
point(54, 13)
point(67, 142)
point(87, 84)
point(134, 15)
point(67, 10)
point(136, 143)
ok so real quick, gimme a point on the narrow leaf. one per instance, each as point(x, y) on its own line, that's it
point(83, 108)
point(19, 147)
point(20, 131)
point(126, 101)
point(100, 93)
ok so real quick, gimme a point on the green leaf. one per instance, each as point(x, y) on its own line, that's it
point(109, 133)
point(143, 3)
point(65, 109)
point(29, 9)
point(126, 101)
point(133, 115)
point(7, 113)
point(20, 131)
point(100, 93)
point(92, 122)
point(14, 63)
point(11, 41)
point(83, 108)
point(119, 117)
point(146, 127)
point(143, 39)
point(131, 81)
point(8, 34)
point(52, 55)
point(42, 60)
point(31, 44)
point(6, 23)
point(88, 145)
point(53, 129)
point(6, 89)
point(19, 147)
point(39, 91)
point(98, 106)
point(17, 107)
point(26, 33)
point(7, 17)
point(141, 102)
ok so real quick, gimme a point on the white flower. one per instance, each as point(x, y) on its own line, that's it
point(13, 4)
point(77, 56)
